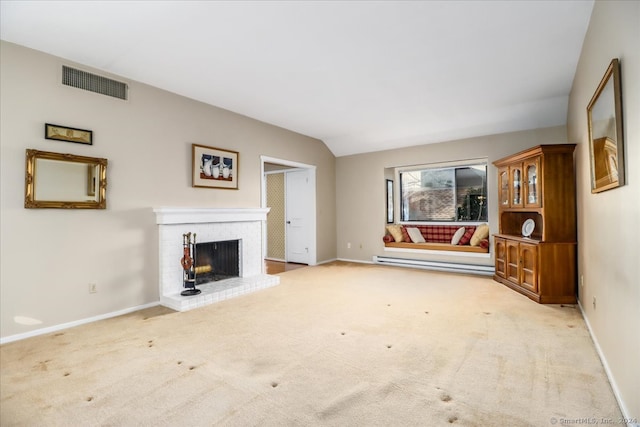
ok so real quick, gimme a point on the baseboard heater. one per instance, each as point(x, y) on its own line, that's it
point(485, 270)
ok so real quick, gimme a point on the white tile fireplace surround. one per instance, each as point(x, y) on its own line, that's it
point(211, 225)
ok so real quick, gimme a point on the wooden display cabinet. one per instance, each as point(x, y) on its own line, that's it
point(538, 184)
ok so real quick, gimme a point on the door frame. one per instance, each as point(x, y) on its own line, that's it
point(311, 170)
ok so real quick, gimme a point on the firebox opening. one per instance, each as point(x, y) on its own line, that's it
point(217, 261)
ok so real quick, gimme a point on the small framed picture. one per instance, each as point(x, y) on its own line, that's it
point(63, 133)
point(215, 167)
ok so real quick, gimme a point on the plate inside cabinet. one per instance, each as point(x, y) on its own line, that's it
point(528, 227)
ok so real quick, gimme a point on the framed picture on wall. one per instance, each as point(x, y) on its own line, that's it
point(63, 133)
point(215, 167)
point(389, 201)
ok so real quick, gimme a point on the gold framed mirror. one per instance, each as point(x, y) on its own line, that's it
point(606, 137)
point(67, 181)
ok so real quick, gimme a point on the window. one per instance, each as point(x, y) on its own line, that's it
point(452, 194)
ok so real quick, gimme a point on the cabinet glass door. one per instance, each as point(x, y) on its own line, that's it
point(532, 192)
point(503, 184)
point(516, 186)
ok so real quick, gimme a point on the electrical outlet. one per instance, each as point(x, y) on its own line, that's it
point(349, 245)
point(582, 280)
point(93, 288)
point(594, 303)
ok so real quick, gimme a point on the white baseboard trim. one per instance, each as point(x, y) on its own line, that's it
point(607, 370)
point(68, 325)
point(275, 259)
point(359, 261)
point(327, 261)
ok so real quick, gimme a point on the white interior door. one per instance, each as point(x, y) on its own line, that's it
point(298, 193)
point(308, 199)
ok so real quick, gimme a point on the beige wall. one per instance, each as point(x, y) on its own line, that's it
point(608, 255)
point(361, 190)
point(50, 256)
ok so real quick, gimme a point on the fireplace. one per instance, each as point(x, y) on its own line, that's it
point(217, 261)
point(245, 226)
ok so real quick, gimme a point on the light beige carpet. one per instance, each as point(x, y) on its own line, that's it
point(335, 345)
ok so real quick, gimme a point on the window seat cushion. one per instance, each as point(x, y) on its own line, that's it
point(435, 246)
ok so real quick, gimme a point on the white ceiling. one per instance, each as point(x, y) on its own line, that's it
point(360, 75)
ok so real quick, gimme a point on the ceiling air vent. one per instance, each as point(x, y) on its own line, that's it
point(94, 83)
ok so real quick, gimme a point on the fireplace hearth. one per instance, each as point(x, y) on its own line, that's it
point(213, 226)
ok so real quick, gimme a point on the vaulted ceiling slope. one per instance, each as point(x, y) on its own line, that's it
point(359, 75)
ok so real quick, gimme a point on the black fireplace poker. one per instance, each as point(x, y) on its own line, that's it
point(188, 265)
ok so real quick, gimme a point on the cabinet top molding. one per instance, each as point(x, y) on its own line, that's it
point(535, 151)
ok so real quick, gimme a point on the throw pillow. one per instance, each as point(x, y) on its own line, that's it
point(416, 236)
point(405, 235)
point(482, 232)
point(396, 231)
point(457, 236)
point(466, 237)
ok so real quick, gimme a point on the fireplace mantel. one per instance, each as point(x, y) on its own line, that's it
point(211, 225)
point(209, 215)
